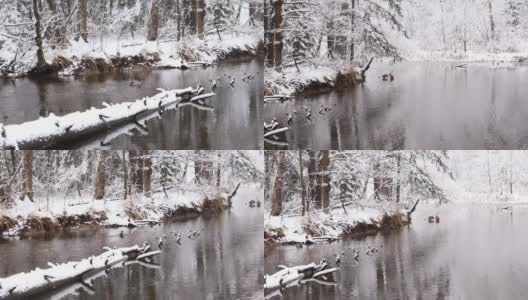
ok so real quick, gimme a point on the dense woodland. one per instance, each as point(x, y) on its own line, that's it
point(52, 24)
point(319, 32)
point(44, 176)
point(300, 182)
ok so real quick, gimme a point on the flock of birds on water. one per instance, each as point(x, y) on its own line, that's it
point(274, 124)
point(370, 251)
point(214, 82)
point(323, 110)
point(162, 241)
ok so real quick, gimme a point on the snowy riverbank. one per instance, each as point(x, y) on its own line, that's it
point(79, 57)
point(299, 229)
point(76, 213)
point(309, 78)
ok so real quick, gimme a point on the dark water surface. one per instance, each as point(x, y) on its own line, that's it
point(234, 122)
point(225, 262)
point(428, 106)
point(473, 253)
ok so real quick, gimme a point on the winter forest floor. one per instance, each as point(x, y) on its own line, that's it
point(81, 57)
point(78, 213)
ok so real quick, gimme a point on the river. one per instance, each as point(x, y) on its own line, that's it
point(232, 124)
point(225, 262)
point(475, 252)
point(429, 105)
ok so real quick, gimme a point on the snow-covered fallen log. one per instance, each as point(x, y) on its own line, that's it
point(290, 276)
point(54, 130)
point(25, 285)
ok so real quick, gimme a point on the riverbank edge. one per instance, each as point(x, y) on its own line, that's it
point(19, 226)
point(292, 85)
point(389, 221)
point(87, 65)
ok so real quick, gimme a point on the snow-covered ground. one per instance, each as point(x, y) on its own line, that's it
point(171, 53)
point(295, 229)
point(290, 81)
point(117, 212)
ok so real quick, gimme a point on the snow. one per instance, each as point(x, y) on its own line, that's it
point(25, 282)
point(290, 81)
point(57, 125)
point(288, 275)
point(332, 225)
point(152, 208)
point(171, 53)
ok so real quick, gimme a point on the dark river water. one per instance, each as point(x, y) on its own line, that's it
point(427, 106)
point(232, 124)
point(473, 253)
point(225, 262)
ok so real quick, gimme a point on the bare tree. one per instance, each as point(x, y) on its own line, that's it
point(147, 174)
point(28, 174)
point(324, 164)
point(41, 62)
point(277, 34)
point(83, 20)
point(153, 21)
point(276, 201)
point(100, 177)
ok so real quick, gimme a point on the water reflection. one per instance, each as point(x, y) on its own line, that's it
point(428, 106)
point(473, 253)
point(233, 122)
point(225, 262)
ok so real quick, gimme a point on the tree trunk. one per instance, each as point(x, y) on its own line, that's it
point(352, 29)
point(28, 174)
point(178, 20)
point(189, 7)
point(125, 176)
point(276, 200)
point(200, 17)
point(492, 22)
point(100, 178)
point(147, 174)
point(136, 171)
point(218, 165)
point(268, 35)
point(38, 36)
point(313, 189)
point(398, 180)
point(303, 194)
point(83, 20)
point(277, 34)
point(324, 164)
point(153, 22)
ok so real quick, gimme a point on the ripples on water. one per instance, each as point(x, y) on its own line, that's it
point(233, 124)
point(427, 106)
point(473, 253)
point(225, 262)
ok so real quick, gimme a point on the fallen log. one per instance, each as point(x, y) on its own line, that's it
point(52, 131)
point(290, 276)
point(26, 285)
